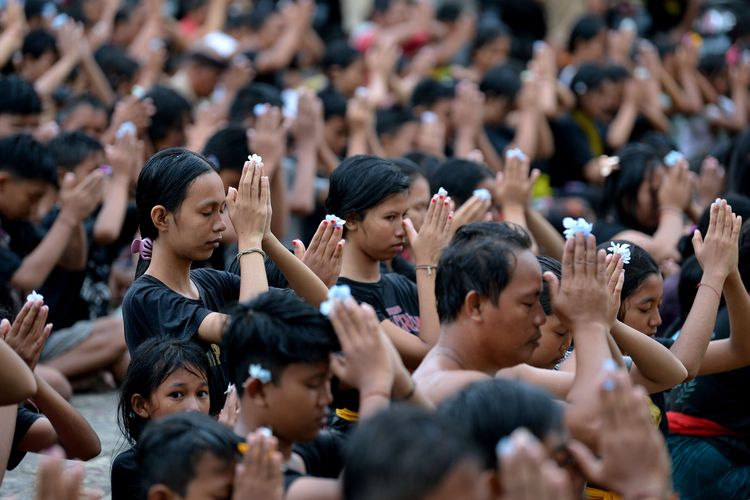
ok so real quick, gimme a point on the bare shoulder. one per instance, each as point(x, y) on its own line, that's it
point(439, 384)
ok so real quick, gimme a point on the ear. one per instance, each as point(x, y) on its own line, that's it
point(5, 178)
point(160, 492)
point(352, 224)
point(60, 175)
point(473, 306)
point(159, 217)
point(140, 406)
point(253, 391)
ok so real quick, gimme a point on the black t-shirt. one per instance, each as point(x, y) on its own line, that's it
point(151, 309)
point(126, 477)
point(721, 398)
point(24, 420)
point(17, 240)
point(500, 137)
point(323, 458)
point(572, 152)
point(394, 298)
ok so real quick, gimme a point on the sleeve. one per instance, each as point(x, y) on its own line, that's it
point(126, 477)
point(9, 264)
point(24, 420)
point(323, 456)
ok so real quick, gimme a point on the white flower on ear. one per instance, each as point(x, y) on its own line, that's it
point(482, 194)
point(620, 248)
point(442, 192)
point(34, 296)
point(259, 373)
point(336, 292)
point(253, 158)
point(335, 220)
point(574, 226)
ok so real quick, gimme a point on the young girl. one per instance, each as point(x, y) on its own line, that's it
point(165, 376)
point(180, 207)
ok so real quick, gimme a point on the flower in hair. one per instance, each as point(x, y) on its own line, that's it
point(623, 249)
point(672, 158)
point(482, 194)
point(259, 373)
point(336, 292)
point(34, 296)
point(142, 247)
point(515, 153)
point(335, 220)
point(253, 158)
point(574, 226)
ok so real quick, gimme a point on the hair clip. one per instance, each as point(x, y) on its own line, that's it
point(34, 296)
point(515, 153)
point(259, 373)
point(608, 164)
point(142, 247)
point(253, 158)
point(335, 220)
point(672, 158)
point(482, 194)
point(574, 226)
point(336, 292)
point(622, 249)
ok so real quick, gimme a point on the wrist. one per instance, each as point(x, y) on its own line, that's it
point(249, 241)
point(67, 218)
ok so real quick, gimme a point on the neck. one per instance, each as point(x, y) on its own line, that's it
point(459, 343)
point(170, 269)
point(359, 266)
point(249, 423)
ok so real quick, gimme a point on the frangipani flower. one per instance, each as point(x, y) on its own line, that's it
point(34, 296)
point(672, 158)
point(259, 373)
point(335, 220)
point(515, 153)
point(442, 192)
point(336, 292)
point(574, 226)
point(482, 194)
point(253, 158)
point(620, 248)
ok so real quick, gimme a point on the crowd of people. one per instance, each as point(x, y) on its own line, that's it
point(378, 249)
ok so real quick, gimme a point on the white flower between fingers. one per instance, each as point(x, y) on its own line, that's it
point(574, 226)
point(336, 292)
point(34, 296)
point(482, 194)
point(623, 249)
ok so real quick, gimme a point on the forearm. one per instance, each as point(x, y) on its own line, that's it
point(465, 142)
point(692, 92)
point(37, 266)
point(8, 417)
point(76, 253)
point(10, 40)
point(280, 208)
point(548, 239)
point(217, 12)
point(591, 352)
point(302, 198)
point(690, 347)
point(653, 362)
point(112, 215)
point(74, 433)
point(99, 84)
point(491, 157)
point(55, 76)
point(669, 231)
point(357, 144)
point(429, 329)
point(18, 380)
point(253, 280)
point(526, 132)
point(282, 52)
point(622, 126)
point(738, 306)
point(300, 277)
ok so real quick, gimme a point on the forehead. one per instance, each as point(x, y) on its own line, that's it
point(306, 370)
point(527, 275)
point(651, 287)
point(31, 186)
point(208, 186)
point(213, 478)
point(184, 375)
point(397, 202)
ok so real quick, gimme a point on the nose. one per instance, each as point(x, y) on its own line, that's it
point(539, 317)
point(326, 396)
point(191, 404)
point(220, 226)
point(656, 319)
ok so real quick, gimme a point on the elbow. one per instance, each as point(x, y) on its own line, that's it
point(26, 281)
point(691, 372)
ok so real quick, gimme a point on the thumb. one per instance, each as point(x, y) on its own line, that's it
point(411, 233)
point(553, 283)
point(299, 249)
point(589, 464)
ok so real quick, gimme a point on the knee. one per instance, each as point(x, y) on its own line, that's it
point(112, 329)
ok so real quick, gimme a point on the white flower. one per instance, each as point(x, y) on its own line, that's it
point(574, 226)
point(620, 248)
point(672, 158)
point(429, 117)
point(260, 109)
point(253, 158)
point(34, 296)
point(482, 194)
point(336, 220)
point(337, 292)
point(259, 373)
point(515, 153)
point(265, 431)
point(442, 192)
point(362, 92)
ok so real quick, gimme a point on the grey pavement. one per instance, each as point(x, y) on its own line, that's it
point(100, 411)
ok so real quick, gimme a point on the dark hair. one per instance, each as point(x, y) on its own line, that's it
point(459, 177)
point(334, 103)
point(390, 120)
point(448, 12)
point(620, 194)
point(585, 29)
point(252, 94)
point(492, 409)
point(18, 97)
point(501, 81)
point(26, 158)
point(72, 148)
point(78, 101)
point(480, 263)
point(361, 182)
point(339, 54)
point(428, 92)
point(227, 148)
point(616, 72)
point(486, 34)
point(425, 160)
point(172, 111)
point(403, 453)
point(35, 8)
point(508, 232)
point(409, 168)
point(588, 77)
point(172, 447)
point(659, 142)
point(712, 64)
point(165, 180)
point(641, 266)
point(116, 64)
point(738, 171)
point(548, 265)
point(275, 330)
point(152, 363)
point(38, 42)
